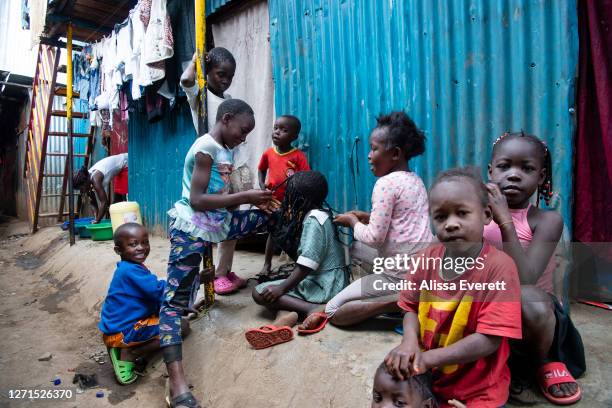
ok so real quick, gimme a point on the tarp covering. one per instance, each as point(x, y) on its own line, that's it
point(593, 198)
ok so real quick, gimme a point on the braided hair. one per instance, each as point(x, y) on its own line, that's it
point(545, 189)
point(306, 191)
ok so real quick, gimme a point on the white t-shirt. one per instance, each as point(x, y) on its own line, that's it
point(110, 167)
point(241, 155)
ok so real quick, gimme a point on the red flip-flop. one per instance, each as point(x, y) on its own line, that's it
point(268, 336)
point(557, 373)
point(316, 329)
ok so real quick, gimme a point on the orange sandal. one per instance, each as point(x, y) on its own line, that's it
point(317, 329)
point(268, 336)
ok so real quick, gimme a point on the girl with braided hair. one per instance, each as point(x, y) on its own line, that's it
point(304, 229)
point(520, 167)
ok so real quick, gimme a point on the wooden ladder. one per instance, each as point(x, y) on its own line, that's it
point(44, 91)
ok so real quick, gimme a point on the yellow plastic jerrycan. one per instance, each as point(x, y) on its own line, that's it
point(124, 212)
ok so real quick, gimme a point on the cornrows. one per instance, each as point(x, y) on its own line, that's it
point(545, 190)
point(306, 190)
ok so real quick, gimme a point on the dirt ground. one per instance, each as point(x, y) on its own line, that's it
point(50, 299)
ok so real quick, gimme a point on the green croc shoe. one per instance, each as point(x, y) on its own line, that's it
point(124, 370)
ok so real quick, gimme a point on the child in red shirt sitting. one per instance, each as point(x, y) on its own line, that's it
point(457, 324)
point(278, 163)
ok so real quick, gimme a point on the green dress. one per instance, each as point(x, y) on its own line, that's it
point(320, 251)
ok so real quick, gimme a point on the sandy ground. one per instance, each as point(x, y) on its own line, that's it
point(50, 298)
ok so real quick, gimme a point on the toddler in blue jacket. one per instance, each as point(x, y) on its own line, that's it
point(130, 313)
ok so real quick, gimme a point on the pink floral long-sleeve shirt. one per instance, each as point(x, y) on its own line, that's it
point(399, 220)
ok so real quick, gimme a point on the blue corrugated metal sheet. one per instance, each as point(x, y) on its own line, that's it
point(465, 71)
point(52, 186)
point(156, 156)
point(213, 5)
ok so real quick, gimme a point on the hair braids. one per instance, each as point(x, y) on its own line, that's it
point(545, 189)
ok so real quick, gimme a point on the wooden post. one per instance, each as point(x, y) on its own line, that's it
point(69, 120)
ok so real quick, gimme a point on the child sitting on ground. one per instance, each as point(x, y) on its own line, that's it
point(398, 223)
point(307, 234)
point(551, 345)
point(277, 164)
point(129, 320)
point(452, 326)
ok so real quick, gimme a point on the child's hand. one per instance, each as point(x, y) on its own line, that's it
point(274, 204)
point(259, 197)
point(499, 204)
point(346, 220)
point(404, 361)
point(270, 206)
point(456, 404)
point(362, 216)
point(272, 293)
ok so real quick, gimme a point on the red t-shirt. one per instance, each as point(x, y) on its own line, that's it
point(280, 166)
point(447, 315)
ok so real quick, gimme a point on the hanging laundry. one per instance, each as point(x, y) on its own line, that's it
point(158, 43)
point(140, 79)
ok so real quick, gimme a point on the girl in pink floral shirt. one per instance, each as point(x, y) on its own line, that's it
point(397, 225)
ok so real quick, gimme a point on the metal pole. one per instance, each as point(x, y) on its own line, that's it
point(69, 119)
point(200, 38)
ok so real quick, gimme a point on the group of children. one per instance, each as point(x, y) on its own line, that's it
point(456, 344)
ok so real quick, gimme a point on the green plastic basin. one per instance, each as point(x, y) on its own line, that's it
point(101, 232)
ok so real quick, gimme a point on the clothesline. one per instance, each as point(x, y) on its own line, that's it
point(135, 51)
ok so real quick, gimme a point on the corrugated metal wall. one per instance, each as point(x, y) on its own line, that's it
point(213, 5)
point(156, 155)
point(59, 144)
point(466, 71)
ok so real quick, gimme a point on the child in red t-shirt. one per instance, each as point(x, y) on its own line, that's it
point(278, 163)
point(457, 330)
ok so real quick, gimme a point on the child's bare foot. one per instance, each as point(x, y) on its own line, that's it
point(284, 318)
point(313, 321)
point(266, 269)
point(127, 355)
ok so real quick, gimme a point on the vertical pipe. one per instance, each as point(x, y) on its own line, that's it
point(200, 38)
point(70, 145)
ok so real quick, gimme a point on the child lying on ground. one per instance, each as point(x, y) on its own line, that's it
point(130, 313)
point(460, 332)
point(308, 236)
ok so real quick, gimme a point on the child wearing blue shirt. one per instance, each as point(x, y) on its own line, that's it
point(130, 313)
